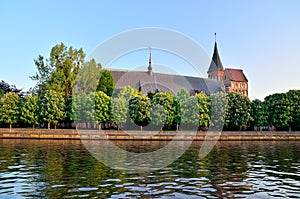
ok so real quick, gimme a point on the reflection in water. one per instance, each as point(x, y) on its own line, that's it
point(65, 169)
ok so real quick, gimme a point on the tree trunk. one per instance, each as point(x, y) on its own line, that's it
point(10, 126)
point(48, 125)
point(100, 124)
point(54, 126)
point(33, 126)
point(141, 128)
point(290, 128)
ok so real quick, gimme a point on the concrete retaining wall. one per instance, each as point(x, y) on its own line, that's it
point(145, 135)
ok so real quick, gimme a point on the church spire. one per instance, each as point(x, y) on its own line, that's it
point(150, 62)
point(216, 63)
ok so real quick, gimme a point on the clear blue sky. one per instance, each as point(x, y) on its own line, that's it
point(261, 37)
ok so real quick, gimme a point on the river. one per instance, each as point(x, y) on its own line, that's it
point(66, 169)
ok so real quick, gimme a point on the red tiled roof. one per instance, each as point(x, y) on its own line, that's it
point(236, 75)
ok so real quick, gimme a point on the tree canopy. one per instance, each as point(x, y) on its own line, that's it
point(9, 108)
point(106, 83)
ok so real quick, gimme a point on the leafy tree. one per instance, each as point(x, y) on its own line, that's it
point(1, 93)
point(258, 113)
point(120, 104)
point(106, 83)
point(29, 113)
point(163, 103)
point(238, 112)
point(58, 72)
point(189, 113)
point(102, 107)
point(89, 111)
point(78, 109)
point(139, 110)
point(88, 77)
point(203, 106)
point(9, 108)
point(279, 110)
point(6, 88)
point(119, 110)
point(294, 103)
point(51, 105)
point(218, 105)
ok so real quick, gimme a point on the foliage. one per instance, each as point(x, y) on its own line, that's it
point(106, 83)
point(294, 103)
point(203, 106)
point(87, 79)
point(218, 105)
point(119, 110)
point(120, 104)
point(279, 110)
point(163, 104)
point(102, 107)
point(189, 113)
point(258, 113)
point(9, 108)
point(2, 92)
point(89, 111)
point(58, 72)
point(139, 110)
point(51, 105)
point(238, 112)
point(29, 113)
point(78, 108)
point(6, 88)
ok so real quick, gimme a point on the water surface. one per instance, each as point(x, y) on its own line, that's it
point(65, 169)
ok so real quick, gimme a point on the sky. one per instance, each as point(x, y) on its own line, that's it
point(260, 37)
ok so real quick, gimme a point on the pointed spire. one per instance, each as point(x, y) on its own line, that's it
point(216, 63)
point(150, 62)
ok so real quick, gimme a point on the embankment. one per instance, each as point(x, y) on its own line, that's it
point(73, 134)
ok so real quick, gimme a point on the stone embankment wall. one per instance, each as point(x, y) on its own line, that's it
point(145, 135)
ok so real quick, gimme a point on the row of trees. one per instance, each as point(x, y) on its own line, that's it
point(69, 89)
point(156, 111)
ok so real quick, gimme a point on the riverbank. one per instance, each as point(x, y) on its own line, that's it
point(73, 134)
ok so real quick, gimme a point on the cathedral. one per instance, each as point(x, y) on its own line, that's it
point(234, 80)
point(219, 79)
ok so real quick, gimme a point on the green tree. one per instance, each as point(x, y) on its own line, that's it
point(106, 83)
point(89, 109)
point(6, 88)
point(102, 107)
point(279, 110)
point(139, 110)
point(88, 77)
point(78, 109)
point(203, 106)
point(9, 108)
point(29, 113)
point(163, 103)
point(258, 113)
point(218, 105)
point(238, 112)
point(120, 104)
point(1, 93)
point(58, 72)
point(51, 105)
point(189, 112)
point(119, 111)
point(294, 102)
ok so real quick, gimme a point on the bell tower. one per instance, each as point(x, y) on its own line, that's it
point(216, 69)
